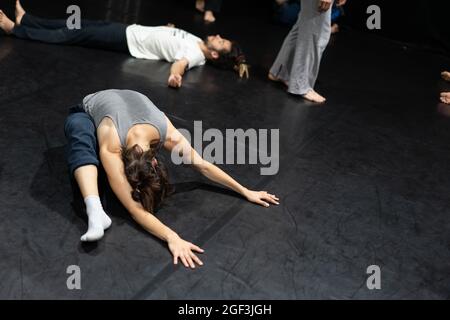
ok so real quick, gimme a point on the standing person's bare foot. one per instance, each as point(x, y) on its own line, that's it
point(209, 16)
point(20, 12)
point(445, 75)
point(271, 77)
point(445, 97)
point(6, 24)
point(200, 5)
point(314, 97)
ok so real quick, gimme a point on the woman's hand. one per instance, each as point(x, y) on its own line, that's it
point(261, 197)
point(175, 81)
point(183, 250)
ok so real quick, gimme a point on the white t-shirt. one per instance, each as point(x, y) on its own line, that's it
point(164, 43)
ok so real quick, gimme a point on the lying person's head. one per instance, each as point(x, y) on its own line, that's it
point(147, 176)
point(226, 54)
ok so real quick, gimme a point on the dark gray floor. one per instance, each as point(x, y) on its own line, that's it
point(363, 179)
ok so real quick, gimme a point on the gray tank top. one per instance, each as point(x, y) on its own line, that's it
point(126, 108)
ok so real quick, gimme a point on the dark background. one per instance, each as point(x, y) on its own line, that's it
point(417, 22)
point(420, 23)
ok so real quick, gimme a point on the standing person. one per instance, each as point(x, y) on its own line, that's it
point(183, 49)
point(297, 64)
point(209, 7)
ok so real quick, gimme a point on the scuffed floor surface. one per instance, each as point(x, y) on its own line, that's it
point(364, 179)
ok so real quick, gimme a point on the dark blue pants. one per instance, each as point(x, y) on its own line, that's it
point(93, 34)
point(81, 135)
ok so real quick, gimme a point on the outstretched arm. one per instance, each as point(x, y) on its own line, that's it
point(176, 73)
point(177, 143)
point(179, 248)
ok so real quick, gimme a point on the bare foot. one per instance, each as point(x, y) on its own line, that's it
point(445, 97)
point(273, 78)
point(20, 12)
point(334, 28)
point(445, 75)
point(314, 97)
point(200, 5)
point(209, 17)
point(6, 24)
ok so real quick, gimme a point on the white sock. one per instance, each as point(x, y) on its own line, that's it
point(98, 219)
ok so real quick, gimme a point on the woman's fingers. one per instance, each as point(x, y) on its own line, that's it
point(264, 195)
point(183, 259)
point(274, 197)
point(187, 255)
point(196, 259)
point(271, 199)
point(195, 248)
point(263, 203)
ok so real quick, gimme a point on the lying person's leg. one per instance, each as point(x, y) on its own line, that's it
point(26, 19)
point(83, 162)
point(98, 222)
point(108, 36)
point(445, 97)
point(32, 28)
point(6, 24)
point(34, 22)
point(20, 12)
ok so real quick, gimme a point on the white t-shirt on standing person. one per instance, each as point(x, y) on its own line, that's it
point(164, 43)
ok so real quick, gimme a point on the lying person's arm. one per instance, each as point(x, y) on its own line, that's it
point(180, 248)
point(176, 73)
point(178, 144)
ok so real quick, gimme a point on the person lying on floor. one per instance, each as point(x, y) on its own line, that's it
point(445, 96)
point(129, 130)
point(184, 50)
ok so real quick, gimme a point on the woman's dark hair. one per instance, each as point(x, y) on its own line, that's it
point(149, 181)
point(233, 59)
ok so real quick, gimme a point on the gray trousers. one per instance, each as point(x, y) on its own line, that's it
point(298, 61)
